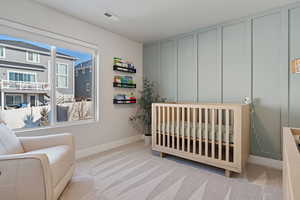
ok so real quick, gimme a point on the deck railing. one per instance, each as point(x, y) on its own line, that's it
point(20, 85)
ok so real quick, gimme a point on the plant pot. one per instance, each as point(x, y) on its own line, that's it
point(148, 140)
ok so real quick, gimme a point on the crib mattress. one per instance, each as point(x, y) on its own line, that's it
point(209, 128)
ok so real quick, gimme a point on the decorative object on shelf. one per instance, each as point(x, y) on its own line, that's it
point(142, 118)
point(123, 66)
point(123, 82)
point(124, 85)
point(295, 67)
point(124, 99)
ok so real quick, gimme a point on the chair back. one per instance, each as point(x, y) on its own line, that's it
point(9, 143)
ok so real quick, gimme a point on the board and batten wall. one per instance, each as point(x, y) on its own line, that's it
point(248, 57)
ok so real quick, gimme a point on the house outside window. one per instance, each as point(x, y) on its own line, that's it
point(21, 76)
point(32, 57)
point(39, 83)
point(62, 75)
point(2, 52)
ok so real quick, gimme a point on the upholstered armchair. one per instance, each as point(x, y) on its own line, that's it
point(34, 168)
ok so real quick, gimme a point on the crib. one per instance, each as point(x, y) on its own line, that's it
point(213, 134)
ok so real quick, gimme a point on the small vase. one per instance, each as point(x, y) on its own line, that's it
point(148, 140)
point(147, 136)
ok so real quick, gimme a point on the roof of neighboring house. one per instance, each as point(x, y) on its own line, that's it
point(30, 46)
point(9, 64)
point(87, 63)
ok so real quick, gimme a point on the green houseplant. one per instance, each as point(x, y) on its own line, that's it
point(142, 118)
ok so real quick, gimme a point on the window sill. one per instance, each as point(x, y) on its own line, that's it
point(23, 132)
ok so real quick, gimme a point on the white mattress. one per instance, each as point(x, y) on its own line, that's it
point(209, 128)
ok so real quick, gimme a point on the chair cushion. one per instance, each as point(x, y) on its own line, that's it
point(9, 143)
point(60, 160)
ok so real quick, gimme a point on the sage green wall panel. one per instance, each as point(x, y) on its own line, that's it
point(187, 69)
point(266, 139)
point(294, 111)
point(246, 57)
point(168, 69)
point(151, 62)
point(236, 63)
point(209, 72)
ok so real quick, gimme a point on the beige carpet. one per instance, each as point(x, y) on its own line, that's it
point(134, 172)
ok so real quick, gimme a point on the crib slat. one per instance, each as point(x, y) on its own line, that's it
point(213, 133)
point(168, 126)
point(227, 135)
point(194, 130)
point(153, 124)
point(188, 129)
point(164, 126)
point(182, 128)
point(177, 126)
point(206, 132)
point(159, 125)
point(220, 134)
point(200, 131)
point(173, 128)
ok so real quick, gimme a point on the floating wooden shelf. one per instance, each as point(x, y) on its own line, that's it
point(124, 101)
point(124, 85)
point(124, 69)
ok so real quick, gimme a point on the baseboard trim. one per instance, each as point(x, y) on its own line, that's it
point(105, 147)
point(268, 162)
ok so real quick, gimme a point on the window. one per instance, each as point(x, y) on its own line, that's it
point(71, 89)
point(88, 86)
point(13, 99)
point(22, 76)
point(2, 52)
point(62, 75)
point(49, 94)
point(32, 57)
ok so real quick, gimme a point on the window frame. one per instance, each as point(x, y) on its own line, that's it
point(64, 75)
point(28, 32)
point(33, 61)
point(4, 52)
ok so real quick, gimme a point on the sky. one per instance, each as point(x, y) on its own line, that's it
point(82, 57)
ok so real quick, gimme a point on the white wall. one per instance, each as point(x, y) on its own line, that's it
point(113, 124)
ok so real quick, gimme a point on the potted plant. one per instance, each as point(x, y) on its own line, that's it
point(142, 118)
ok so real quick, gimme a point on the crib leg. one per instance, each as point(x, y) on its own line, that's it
point(162, 154)
point(227, 173)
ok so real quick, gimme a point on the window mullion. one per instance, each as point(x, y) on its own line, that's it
point(53, 86)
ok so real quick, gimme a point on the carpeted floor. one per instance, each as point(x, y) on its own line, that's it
point(134, 172)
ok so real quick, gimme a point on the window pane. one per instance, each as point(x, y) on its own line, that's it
point(16, 110)
point(1, 52)
point(9, 100)
point(62, 81)
point(74, 104)
point(30, 56)
point(62, 69)
point(21, 77)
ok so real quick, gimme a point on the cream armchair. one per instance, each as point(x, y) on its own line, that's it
point(34, 168)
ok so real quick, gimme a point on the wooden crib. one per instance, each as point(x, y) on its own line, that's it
point(214, 134)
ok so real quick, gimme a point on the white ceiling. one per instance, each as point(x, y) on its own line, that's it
point(149, 20)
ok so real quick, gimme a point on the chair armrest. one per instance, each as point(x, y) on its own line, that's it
point(25, 176)
point(41, 142)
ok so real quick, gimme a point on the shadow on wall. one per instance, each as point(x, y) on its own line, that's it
point(264, 140)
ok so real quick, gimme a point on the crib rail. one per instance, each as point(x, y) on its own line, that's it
point(208, 133)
